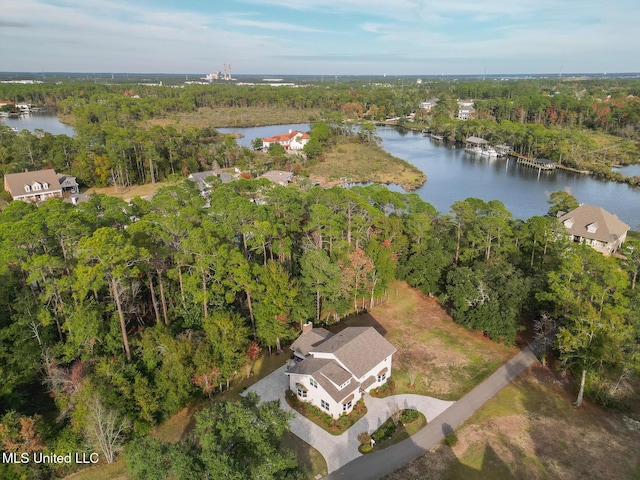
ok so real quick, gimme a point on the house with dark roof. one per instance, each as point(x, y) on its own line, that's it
point(201, 178)
point(596, 227)
point(333, 372)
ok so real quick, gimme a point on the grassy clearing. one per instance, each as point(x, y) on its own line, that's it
point(127, 193)
point(237, 117)
point(446, 359)
point(310, 460)
point(365, 163)
point(104, 471)
point(531, 430)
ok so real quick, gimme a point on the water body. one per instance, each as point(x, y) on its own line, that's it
point(453, 174)
point(46, 121)
point(629, 170)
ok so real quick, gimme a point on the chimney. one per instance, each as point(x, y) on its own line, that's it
point(290, 131)
point(307, 327)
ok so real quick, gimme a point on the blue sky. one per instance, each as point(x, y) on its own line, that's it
point(330, 37)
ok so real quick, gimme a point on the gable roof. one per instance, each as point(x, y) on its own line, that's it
point(608, 227)
point(358, 348)
point(15, 183)
point(328, 374)
point(277, 176)
point(308, 340)
point(476, 140)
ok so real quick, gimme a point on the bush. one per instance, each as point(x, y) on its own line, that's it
point(408, 416)
point(365, 448)
point(364, 438)
point(386, 430)
point(451, 439)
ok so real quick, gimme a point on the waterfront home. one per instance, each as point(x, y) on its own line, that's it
point(465, 109)
point(333, 372)
point(290, 141)
point(594, 226)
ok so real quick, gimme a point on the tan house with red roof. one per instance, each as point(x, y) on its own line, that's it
point(596, 227)
point(290, 141)
point(334, 371)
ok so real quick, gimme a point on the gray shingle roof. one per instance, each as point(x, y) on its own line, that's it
point(15, 183)
point(358, 348)
point(326, 372)
point(308, 340)
point(608, 227)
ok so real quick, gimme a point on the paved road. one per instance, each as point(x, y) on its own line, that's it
point(378, 464)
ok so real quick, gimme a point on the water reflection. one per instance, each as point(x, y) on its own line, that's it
point(46, 121)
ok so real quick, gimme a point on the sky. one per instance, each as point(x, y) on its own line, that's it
point(321, 37)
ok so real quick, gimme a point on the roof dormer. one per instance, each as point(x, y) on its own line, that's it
point(568, 222)
point(592, 227)
point(27, 188)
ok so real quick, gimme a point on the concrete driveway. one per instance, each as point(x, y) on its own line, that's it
point(338, 450)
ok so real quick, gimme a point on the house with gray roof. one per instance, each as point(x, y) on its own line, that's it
point(278, 176)
point(36, 186)
point(596, 227)
point(333, 372)
point(201, 178)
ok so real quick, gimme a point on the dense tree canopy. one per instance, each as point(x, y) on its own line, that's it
point(138, 308)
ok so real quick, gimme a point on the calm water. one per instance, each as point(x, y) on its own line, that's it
point(453, 174)
point(629, 170)
point(43, 121)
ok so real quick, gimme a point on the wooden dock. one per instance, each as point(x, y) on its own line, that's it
point(540, 164)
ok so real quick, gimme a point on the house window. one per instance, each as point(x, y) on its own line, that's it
point(27, 188)
point(37, 186)
point(302, 392)
point(347, 406)
point(46, 185)
point(313, 383)
point(324, 405)
point(382, 377)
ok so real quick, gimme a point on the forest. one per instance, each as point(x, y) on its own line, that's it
point(584, 124)
point(129, 312)
point(117, 314)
